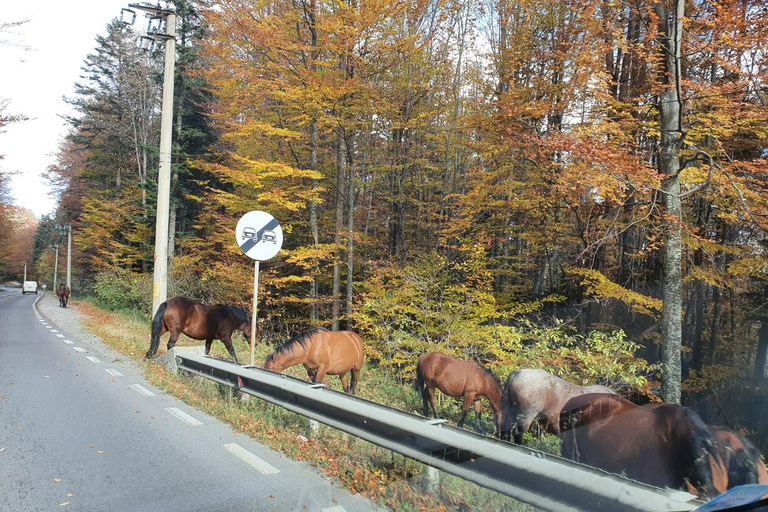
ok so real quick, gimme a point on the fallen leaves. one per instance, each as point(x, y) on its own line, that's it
point(57, 480)
point(64, 504)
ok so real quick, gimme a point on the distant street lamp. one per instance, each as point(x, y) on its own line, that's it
point(160, 279)
point(25, 272)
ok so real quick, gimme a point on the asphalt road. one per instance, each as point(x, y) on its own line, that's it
point(82, 431)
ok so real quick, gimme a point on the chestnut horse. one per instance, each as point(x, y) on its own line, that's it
point(458, 379)
point(664, 445)
point(536, 395)
point(741, 458)
point(322, 352)
point(62, 292)
point(200, 322)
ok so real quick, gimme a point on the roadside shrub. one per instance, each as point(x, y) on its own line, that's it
point(433, 306)
point(118, 289)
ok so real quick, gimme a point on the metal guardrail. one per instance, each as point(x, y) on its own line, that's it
point(542, 480)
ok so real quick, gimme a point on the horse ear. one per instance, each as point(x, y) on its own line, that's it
point(691, 489)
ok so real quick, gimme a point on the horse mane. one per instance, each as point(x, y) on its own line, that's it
point(239, 314)
point(300, 339)
point(492, 375)
point(702, 446)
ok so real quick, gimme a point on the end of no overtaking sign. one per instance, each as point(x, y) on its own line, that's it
point(259, 235)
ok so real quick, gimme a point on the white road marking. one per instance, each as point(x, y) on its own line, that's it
point(141, 390)
point(68, 342)
point(54, 330)
point(114, 372)
point(335, 508)
point(186, 418)
point(249, 458)
point(79, 349)
point(93, 359)
point(59, 335)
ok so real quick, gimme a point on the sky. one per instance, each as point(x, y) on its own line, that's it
point(40, 62)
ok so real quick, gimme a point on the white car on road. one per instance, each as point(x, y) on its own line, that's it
point(29, 286)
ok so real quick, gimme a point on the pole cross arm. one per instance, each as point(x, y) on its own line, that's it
point(152, 9)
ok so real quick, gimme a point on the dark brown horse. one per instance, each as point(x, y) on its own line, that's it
point(322, 352)
point(532, 395)
point(62, 292)
point(660, 444)
point(198, 321)
point(740, 457)
point(457, 378)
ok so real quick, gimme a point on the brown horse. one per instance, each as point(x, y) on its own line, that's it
point(537, 395)
point(741, 458)
point(322, 352)
point(62, 292)
point(659, 444)
point(198, 321)
point(458, 379)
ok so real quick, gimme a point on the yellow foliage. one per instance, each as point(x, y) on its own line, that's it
point(599, 286)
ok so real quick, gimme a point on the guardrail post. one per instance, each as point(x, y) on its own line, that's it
point(433, 475)
point(313, 426)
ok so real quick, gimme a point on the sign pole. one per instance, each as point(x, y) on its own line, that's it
point(253, 315)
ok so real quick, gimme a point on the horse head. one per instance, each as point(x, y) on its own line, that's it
point(271, 364)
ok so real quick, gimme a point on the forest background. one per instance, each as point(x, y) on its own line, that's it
point(577, 185)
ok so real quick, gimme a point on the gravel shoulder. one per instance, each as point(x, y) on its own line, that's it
point(72, 321)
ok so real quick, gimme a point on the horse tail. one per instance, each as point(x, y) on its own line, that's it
point(703, 446)
point(507, 416)
point(419, 384)
point(157, 328)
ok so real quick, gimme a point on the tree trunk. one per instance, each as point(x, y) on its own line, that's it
point(761, 357)
point(350, 237)
point(313, 313)
point(341, 160)
point(670, 32)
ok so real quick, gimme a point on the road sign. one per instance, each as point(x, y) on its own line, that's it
point(259, 235)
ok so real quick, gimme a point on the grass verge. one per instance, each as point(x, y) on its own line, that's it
point(386, 478)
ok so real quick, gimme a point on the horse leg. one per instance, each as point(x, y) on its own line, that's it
point(521, 427)
point(228, 343)
point(173, 339)
point(468, 399)
point(355, 377)
point(344, 382)
point(478, 409)
point(208, 344)
point(320, 374)
point(428, 396)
